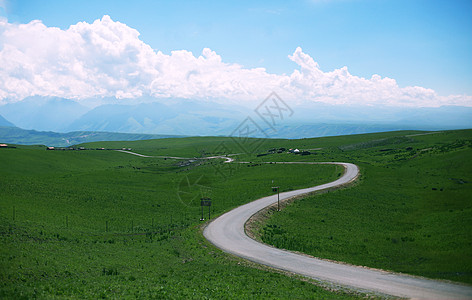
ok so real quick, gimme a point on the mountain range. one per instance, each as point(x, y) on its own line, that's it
point(183, 117)
point(15, 135)
point(5, 123)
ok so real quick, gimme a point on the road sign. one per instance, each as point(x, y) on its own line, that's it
point(205, 203)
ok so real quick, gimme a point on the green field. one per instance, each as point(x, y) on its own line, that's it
point(410, 212)
point(99, 223)
point(93, 224)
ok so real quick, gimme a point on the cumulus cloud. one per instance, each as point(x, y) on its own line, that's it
point(107, 59)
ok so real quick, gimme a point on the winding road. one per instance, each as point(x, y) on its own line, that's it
point(227, 158)
point(227, 232)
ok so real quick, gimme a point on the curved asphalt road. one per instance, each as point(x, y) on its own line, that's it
point(227, 233)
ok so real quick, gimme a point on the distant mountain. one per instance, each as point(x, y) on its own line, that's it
point(14, 135)
point(170, 116)
point(320, 130)
point(5, 123)
point(444, 117)
point(147, 115)
point(181, 117)
point(124, 118)
point(43, 113)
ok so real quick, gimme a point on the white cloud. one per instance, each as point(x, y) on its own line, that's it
point(107, 59)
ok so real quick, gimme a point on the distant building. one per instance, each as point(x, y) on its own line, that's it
point(296, 151)
point(50, 148)
point(3, 145)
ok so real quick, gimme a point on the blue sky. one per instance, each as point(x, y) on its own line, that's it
point(425, 43)
point(417, 43)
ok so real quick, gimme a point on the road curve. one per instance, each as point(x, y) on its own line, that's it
point(227, 233)
point(227, 159)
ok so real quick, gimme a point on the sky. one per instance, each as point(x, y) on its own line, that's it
point(374, 52)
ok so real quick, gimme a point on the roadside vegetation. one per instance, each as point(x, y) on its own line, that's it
point(410, 212)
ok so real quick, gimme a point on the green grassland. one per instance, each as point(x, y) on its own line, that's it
point(410, 212)
point(106, 224)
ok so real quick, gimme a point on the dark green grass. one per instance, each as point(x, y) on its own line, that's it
point(104, 224)
point(91, 224)
point(181, 266)
point(411, 211)
point(48, 186)
point(182, 147)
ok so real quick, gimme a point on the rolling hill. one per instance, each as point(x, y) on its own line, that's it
point(15, 135)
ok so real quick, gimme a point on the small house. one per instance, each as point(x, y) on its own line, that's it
point(3, 145)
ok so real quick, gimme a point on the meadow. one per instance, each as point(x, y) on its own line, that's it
point(106, 224)
point(410, 212)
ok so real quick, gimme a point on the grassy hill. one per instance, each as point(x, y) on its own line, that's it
point(15, 135)
point(91, 223)
point(106, 224)
point(411, 212)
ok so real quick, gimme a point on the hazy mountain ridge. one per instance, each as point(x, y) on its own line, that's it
point(5, 122)
point(43, 113)
point(15, 135)
point(213, 118)
point(320, 130)
point(152, 118)
point(444, 116)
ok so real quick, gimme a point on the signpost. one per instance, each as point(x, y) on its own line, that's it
point(276, 189)
point(205, 201)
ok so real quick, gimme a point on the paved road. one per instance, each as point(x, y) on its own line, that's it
point(427, 133)
point(133, 153)
point(227, 159)
point(227, 233)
